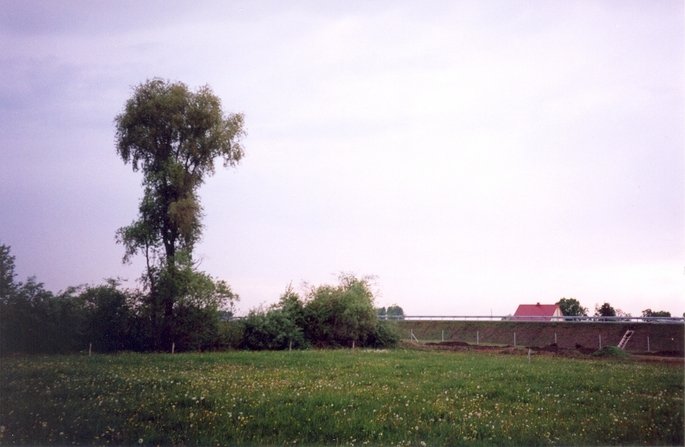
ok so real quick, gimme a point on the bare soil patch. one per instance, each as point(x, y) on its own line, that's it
point(578, 351)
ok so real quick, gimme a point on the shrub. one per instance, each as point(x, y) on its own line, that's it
point(386, 335)
point(273, 330)
point(231, 334)
point(611, 352)
point(341, 315)
point(108, 319)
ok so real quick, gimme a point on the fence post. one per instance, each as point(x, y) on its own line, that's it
point(413, 337)
point(173, 346)
point(600, 341)
point(443, 335)
point(477, 337)
point(90, 349)
point(648, 343)
point(514, 339)
point(555, 338)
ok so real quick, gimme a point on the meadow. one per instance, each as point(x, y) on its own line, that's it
point(338, 397)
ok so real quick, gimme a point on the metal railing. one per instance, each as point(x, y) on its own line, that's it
point(534, 318)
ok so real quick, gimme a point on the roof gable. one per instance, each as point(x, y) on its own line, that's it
point(536, 310)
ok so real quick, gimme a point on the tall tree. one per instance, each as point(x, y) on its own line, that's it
point(173, 136)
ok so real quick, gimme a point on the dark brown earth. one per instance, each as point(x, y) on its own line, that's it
point(649, 339)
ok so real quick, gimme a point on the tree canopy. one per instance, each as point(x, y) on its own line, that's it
point(606, 310)
point(570, 307)
point(173, 136)
point(655, 313)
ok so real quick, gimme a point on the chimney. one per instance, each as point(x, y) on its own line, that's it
point(538, 304)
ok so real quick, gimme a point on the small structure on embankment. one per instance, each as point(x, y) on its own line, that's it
point(538, 312)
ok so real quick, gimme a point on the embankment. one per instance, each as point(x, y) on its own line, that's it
point(647, 336)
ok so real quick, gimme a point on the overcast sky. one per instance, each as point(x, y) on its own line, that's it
point(472, 155)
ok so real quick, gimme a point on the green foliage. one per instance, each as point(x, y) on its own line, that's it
point(108, 320)
point(173, 136)
point(195, 328)
point(655, 313)
point(611, 352)
point(395, 312)
point(231, 334)
point(338, 397)
point(32, 319)
point(330, 316)
point(279, 327)
point(605, 310)
point(385, 335)
point(273, 330)
point(7, 285)
point(571, 307)
point(341, 315)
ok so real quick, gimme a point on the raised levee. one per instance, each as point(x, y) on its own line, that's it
point(647, 336)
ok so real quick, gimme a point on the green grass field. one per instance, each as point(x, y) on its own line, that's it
point(400, 397)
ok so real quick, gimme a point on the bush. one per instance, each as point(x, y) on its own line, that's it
point(341, 315)
point(272, 330)
point(611, 352)
point(331, 316)
point(107, 317)
point(34, 321)
point(195, 328)
point(231, 334)
point(386, 335)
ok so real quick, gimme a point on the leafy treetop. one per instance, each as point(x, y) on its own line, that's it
point(570, 307)
point(173, 136)
point(655, 313)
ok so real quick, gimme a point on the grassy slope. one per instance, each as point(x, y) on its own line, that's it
point(338, 397)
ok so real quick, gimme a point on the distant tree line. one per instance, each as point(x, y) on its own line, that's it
point(571, 307)
point(33, 320)
point(393, 312)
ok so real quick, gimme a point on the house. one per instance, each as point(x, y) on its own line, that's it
point(538, 312)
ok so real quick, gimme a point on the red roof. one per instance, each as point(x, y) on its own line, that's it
point(537, 310)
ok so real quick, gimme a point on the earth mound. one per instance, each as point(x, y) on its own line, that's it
point(611, 352)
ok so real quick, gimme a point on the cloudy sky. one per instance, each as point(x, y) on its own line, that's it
point(472, 155)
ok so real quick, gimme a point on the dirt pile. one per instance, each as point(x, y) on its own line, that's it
point(578, 351)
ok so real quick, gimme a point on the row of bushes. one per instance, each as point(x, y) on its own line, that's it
point(105, 317)
point(328, 316)
point(109, 318)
